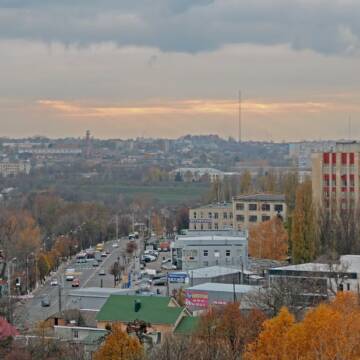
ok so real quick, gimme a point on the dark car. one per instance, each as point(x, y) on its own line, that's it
point(45, 301)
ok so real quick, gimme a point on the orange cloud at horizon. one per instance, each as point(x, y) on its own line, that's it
point(188, 107)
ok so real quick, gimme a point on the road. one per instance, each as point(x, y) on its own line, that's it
point(28, 312)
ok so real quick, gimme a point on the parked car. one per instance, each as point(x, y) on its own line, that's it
point(45, 301)
point(160, 282)
point(95, 263)
point(69, 277)
point(76, 283)
point(115, 245)
point(166, 261)
point(168, 267)
point(104, 254)
point(54, 282)
point(148, 258)
point(102, 272)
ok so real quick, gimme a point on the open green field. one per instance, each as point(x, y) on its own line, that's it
point(174, 193)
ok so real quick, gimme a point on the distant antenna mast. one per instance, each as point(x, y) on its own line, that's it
point(240, 120)
point(349, 128)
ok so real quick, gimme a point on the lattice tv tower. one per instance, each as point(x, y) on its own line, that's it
point(239, 119)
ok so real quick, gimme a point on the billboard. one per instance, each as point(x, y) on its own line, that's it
point(196, 298)
point(178, 278)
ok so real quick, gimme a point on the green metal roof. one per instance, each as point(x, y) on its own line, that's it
point(187, 325)
point(154, 309)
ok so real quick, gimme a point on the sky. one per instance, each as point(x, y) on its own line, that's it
point(166, 68)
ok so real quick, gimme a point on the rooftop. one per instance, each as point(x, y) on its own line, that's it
point(210, 271)
point(223, 205)
point(261, 197)
point(187, 325)
point(229, 288)
point(153, 309)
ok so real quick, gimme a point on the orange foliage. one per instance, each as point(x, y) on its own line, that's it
point(119, 345)
point(269, 240)
point(330, 331)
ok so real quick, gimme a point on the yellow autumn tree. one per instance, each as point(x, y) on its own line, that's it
point(269, 240)
point(119, 346)
point(330, 331)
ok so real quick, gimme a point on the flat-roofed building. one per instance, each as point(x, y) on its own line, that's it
point(253, 209)
point(218, 216)
point(198, 249)
point(14, 168)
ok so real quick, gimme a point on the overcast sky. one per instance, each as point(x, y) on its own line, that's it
point(165, 68)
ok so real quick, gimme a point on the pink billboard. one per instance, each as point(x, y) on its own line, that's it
point(197, 298)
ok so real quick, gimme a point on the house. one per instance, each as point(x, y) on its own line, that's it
point(162, 314)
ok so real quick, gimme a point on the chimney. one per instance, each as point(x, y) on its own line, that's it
point(137, 305)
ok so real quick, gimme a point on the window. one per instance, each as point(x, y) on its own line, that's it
point(216, 253)
point(216, 215)
point(348, 286)
point(210, 215)
point(228, 253)
point(253, 218)
point(265, 207)
point(240, 206)
point(231, 215)
point(201, 215)
point(265, 218)
point(75, 334)
point(252, 207)
point(194, 226)
point(210, 226)
point(206, 252)
point(225, 216)
point(194, 215)
point(202, 227)
point(216, 226)
point(190, 254)
point(240, 218)
point(278, 207)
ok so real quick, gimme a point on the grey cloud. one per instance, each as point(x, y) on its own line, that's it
point(326, 26)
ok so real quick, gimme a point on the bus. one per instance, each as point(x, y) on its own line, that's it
point(100, 247)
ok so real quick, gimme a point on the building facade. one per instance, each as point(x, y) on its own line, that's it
point(8, 168)
point(224, 248)
point(217, 216)
point(335, 177)
point(253, 209)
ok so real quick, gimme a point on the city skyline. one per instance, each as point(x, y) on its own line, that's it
point(128, 70)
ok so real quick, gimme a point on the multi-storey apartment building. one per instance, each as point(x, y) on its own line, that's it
point(244, 211)
point(217, 216)
point(252, 209)
point(335, 177)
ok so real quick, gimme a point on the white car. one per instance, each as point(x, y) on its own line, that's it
point(54, 282)
point(168, 267)
point(115, 245)
point(69, 277)
point(166, 261)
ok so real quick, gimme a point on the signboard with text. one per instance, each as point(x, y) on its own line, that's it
point(196, 298)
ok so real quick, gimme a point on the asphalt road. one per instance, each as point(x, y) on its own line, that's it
point(28, 312)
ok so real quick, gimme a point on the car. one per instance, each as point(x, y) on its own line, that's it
point(104, 254)
point(148, 258)
point(115, 245)
point(45, 301)
point(95, 263)
point(107, 252)
point(166, 261)
point(69, 277)
point(169, 267)
point(160, 282)
point(102, 272)
point(76, 283)
point(54, 282)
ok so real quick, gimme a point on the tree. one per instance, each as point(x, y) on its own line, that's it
point(303, 234)
point(182, 219)
point(119, 345)
point(116, 270)
point(330, 331)
point(245, 182)
point(269, 240)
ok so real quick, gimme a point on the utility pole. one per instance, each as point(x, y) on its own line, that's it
point(60, 307)
point(117, 226)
